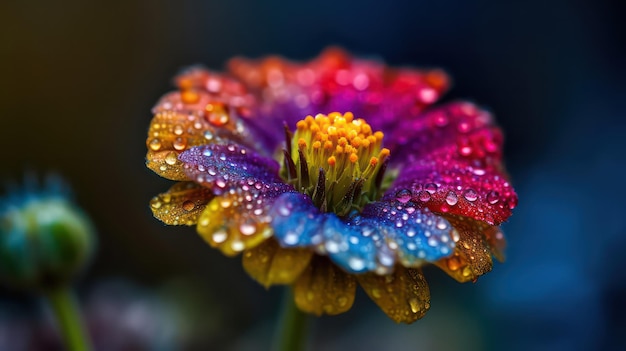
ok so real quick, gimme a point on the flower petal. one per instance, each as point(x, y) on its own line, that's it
point(207, 109)
point(172, 132)
point(454, 164)
point(335, 81)
point(181, 204)
point(323, 288)
point(415, 233)
point(496, 241)
point(354, 248)
point(232, 166)
point(270, 264)
point(372, 241)
point(472, 256)
point(237, 220)
point(404, 295)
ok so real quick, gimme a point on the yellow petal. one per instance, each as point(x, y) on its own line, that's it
point(323, 288)
point(402, 295)
point(181, 204)
point(471, 257)
point(270, 264)
point(228, 225)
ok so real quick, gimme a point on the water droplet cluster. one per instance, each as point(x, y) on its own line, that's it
point(403, 295)
point(181, 204)
point(208, 108)
point(375, 240)
point(454, 164)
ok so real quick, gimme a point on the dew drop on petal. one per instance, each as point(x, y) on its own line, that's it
point(403, 195)
point(171, 158)
point(493, 197)
point(431, 188)
point(219, 236)
point(178, 130)
point(452, 198)
point(470, 195)
point(155, 144)
point(247, 228)
point(188, 205)
point(180, 144)
point(453, 263)
point(424, 196)
point(415, 305)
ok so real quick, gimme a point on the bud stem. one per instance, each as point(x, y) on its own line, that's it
point(68, 317)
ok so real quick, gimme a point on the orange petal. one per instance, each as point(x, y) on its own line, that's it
point(496, 242)
point(323, 288)
point(270, 264)
point(181, 204)
point(174, 131)
point(472, 256)
point(228, 225)
point(402, 295)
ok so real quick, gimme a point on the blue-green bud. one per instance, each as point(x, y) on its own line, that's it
point(44, 240)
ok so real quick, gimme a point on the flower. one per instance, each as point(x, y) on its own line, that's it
point(323, 200)
point(44, 238)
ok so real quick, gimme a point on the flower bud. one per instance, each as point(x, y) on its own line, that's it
point(44, 240)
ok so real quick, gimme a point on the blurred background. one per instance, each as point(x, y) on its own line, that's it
point(79, 79)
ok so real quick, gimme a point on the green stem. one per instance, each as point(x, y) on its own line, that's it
point(291, 331)
point(68, 317)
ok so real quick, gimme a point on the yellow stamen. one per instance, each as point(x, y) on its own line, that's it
point(346, 149)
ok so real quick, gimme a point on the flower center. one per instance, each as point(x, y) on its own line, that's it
point(336, 160)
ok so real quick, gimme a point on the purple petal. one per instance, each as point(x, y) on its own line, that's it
point(224, 167)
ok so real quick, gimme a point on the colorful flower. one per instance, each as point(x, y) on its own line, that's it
point(333, 172)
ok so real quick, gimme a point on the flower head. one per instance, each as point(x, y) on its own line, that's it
point(333, 172)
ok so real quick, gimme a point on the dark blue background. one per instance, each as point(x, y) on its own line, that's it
point(79, 79)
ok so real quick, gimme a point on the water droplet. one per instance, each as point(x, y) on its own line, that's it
point(452, 198)
point(431, 188)
point(403, 195)
point(237, 245)
point(188, 205)
point(453, 263)
point(441, 224)
point(424, 196)
point(247, 228)
point(470, 195)
point(189, 96)
point(415, 305)
point(178, 130)
point(180, 144)
point(171, 158)
point(156, 204)
point(219, 236)
point(342, 301)
point(467, 271)
point(356, 263)
point(217, 114)
point(376, 293)
point(155, 144)
point(166, 198)
point(493, 197)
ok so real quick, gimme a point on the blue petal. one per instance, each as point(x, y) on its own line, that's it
point(296, 221)
point(416, 233)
